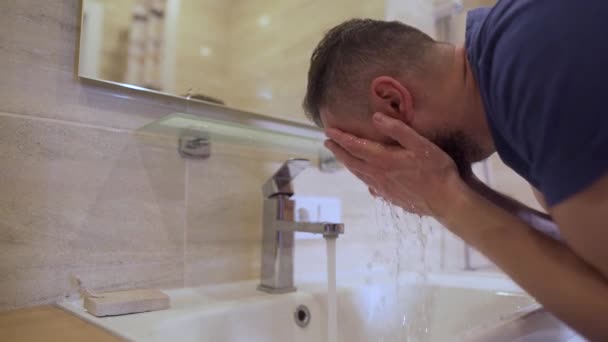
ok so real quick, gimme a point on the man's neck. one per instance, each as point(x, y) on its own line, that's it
point(474, 107)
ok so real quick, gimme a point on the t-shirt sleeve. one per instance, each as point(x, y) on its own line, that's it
point(550, 68)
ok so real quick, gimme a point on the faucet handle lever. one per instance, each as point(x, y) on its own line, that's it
point(280, 182)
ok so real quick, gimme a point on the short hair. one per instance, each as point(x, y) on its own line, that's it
point(351, 54)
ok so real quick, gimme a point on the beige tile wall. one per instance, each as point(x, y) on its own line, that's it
point(224, 226)
point(82, 195)
point(90, 202)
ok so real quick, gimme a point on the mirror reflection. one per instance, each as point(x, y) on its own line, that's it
point(248, 55)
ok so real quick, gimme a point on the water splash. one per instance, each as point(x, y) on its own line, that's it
point(410, 235)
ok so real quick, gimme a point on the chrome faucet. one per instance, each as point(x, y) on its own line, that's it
point(279, 227)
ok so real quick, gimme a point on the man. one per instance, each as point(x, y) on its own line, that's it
point(408, 116)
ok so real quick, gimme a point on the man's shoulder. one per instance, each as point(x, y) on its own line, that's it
point(527, 48)
point(515, 27)
point(542, 76)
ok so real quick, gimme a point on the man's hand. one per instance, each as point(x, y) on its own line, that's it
point(416, 175)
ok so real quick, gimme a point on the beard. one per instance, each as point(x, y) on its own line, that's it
point(460, 148)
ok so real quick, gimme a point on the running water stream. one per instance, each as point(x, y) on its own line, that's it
point(332, 313)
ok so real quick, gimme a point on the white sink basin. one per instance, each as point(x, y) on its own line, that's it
point(447, 308)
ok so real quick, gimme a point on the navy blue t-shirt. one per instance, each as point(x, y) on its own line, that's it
point(542, 70)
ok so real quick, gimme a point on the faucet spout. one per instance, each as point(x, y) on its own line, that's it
point(328, 230)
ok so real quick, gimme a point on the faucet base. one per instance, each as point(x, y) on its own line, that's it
point(274, 290)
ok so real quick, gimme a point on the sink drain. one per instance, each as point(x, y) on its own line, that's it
point(302, 316)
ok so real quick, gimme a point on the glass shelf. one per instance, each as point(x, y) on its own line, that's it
point(178, 124)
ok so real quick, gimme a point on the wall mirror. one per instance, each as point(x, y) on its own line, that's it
point(250, 55)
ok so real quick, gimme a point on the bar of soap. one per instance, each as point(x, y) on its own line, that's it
point(125, 302)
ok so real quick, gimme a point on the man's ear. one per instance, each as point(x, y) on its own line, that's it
point(390, 97)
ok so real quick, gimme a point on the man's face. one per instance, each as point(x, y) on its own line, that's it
point(452, 141)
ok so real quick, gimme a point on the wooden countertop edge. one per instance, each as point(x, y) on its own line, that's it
point(50, 323)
